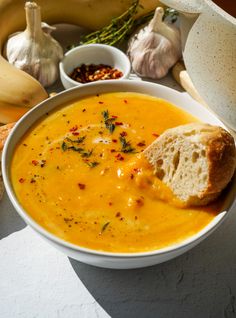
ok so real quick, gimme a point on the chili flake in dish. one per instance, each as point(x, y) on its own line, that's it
point(92, 73)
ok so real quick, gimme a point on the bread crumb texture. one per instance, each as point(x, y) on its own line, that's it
point(196, 161)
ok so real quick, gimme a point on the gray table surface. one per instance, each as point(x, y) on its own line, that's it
point(36, 280)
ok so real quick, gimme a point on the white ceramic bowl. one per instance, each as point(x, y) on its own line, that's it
point(92, 54)
point(93, 257)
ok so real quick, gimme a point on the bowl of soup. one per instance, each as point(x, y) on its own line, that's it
point(70, 168)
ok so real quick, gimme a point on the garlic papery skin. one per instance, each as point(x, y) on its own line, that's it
point(35, 51)
point(155, 48)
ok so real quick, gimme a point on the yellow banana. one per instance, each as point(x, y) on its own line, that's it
point(18, 90)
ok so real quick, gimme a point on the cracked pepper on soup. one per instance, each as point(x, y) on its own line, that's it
point(79, 173)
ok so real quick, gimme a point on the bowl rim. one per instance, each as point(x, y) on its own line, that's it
point(95, 46)
point(7, 158)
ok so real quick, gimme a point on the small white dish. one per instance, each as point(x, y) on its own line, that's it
point(92, 54)
point(95, 257)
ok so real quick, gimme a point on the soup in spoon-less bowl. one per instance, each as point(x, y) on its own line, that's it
point(76, 173)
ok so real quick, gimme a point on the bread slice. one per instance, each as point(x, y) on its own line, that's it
point(196, 161)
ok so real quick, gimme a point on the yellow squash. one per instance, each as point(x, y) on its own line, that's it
point(18, 90)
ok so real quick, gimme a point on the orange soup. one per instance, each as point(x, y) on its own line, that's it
point(77, 174)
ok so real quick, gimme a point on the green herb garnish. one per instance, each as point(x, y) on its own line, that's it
point(86, 154)
point(64, 146)
point(77, 141)
point(69, 144)
point(117, 30)
point(104, 227)
point(92, 164)
point(80, 150)
point(105, 114)
point(126, 146)
point(108, 121)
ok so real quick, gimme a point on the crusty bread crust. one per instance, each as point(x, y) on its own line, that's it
point(221, 156)
point(196, 161)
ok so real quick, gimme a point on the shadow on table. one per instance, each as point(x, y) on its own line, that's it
point(10, 221)
point(200, 283)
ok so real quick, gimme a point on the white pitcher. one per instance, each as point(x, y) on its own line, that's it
point(209, 51)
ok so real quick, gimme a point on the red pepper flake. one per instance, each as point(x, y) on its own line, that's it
point(100, 102)
point(35, 162)
point(75, 133)
point(121, 219)
point(125, 101)
point(141, 144)
point(84, 110)
point(155, 135)
point(110, 203)
point(139, 202)
point(113, 150)
point(32, 180)
point(81, 186)
point(118, 214)
point(123, 134)
point(21, 180)
point(114, 116)
point(74, 128)
point(91, 72)
point(135, 217)
point(137, 170)
point(131, 176)
point(118, 123)
point(114, 140)
point(119, 157)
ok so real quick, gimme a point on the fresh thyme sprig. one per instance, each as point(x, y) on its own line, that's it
point(117, 30)
point(126, 146)
point(108, 121)
point(69, 144)
point(121, 27)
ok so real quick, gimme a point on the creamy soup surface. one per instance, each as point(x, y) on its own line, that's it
point(79, 173)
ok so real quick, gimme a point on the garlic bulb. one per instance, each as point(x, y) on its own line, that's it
point(34, 50)
point(155, 48)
